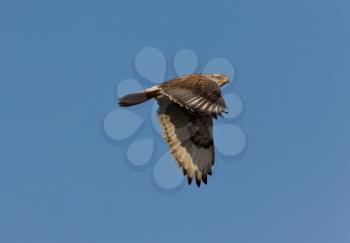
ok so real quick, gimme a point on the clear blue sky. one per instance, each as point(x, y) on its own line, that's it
point(61, 181)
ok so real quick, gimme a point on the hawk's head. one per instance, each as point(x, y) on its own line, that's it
point(220, 79)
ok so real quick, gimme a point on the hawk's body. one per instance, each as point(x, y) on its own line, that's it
point(187, 105)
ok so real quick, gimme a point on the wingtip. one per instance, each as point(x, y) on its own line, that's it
point(189, 180)
point(198, 182)
point(205, 178)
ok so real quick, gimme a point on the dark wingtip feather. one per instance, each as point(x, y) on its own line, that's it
point(205, 178)
point(198, 182)
point(189, 180)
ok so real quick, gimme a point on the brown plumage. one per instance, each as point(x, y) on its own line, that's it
point(187, 105)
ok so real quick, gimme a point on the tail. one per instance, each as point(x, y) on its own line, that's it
point(137, 98)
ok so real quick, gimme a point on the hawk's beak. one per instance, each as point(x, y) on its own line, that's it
point(223, 82)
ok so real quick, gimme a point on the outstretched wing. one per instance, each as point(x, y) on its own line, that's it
point(190, 139)
point(196, 93)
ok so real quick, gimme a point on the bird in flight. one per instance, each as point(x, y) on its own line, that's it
point(187, 106)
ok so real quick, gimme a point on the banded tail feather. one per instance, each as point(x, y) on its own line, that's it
point(139, 97)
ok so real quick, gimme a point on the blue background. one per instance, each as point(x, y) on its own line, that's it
point(61, 181)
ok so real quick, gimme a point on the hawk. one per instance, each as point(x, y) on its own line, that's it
point(187, 106)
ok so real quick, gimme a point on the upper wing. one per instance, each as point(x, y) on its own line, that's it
point(190, 139)
point(196, 93)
